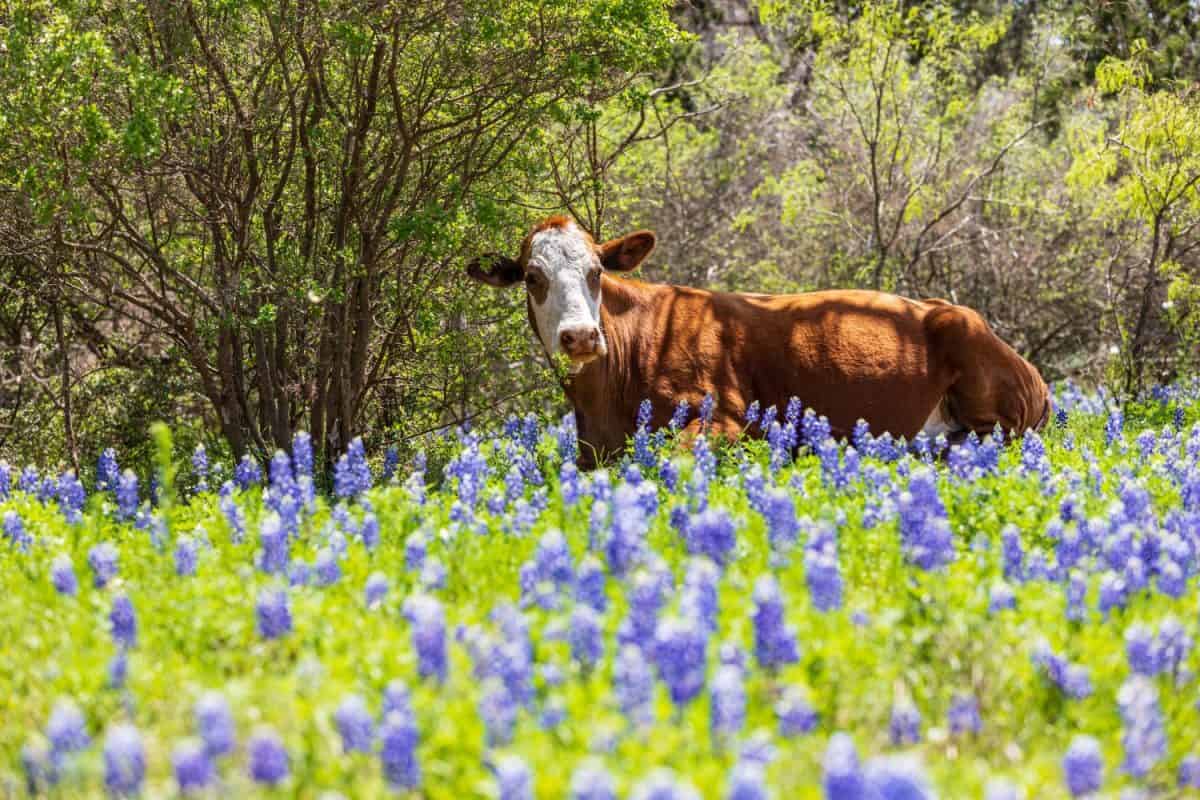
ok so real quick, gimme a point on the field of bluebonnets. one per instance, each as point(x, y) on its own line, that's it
point(999, 619)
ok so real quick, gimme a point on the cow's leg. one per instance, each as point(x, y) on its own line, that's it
point(989, 382)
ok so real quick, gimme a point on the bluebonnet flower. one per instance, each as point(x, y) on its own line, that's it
point(904, 726)
point(821, 569)
point(498, 710)
point(1014, 554)
point(706, 409)
point(376, 589)
point(29, 482)
point(795, 713)
point(680, 417)
point(391, 461)
point(711, 533)
point(897, 778)
point(327, 568)
point(299, 573)
point(118, 669)
point(625, 544)
point(569, 484)
point(700, 591)
point(1142, 650)
point(1076, 591)
point(247, 473)
point(234, 517)
point(269, 762)
point(633, 684)
point(728, 696)
point(644, 413)
point(679, 654)
point(107, 472)
point(842, 775)
point(427, 621)
point(354, 724)
point(747, 781)
point(38, 766)
point(369, 532)
point(71, 496)
point(214, 722)
point(1083, 766)
point(273, 539)
point(1113, 592)
point(752, 413)
point(102, 560)
point(302, 453)
point(963, 716)
point(1114, 426)
point(415, 548)
point(1072, 679)
point(200, 467)
point(66, 730)
point(124, 760)
point(1173, 645)
point(774, 642)
point(590, 581)
point(123, 621)
point(591, 781)
point(14, 531)
point(62, 575)
point(924, 528)
point(192, 766)
point(662, 784)
point(352, 474)
point(273, 613)
point(1189, 771)
point(645, 600)
point(586, 636)
point(185, 556)
point(398, 738)
point(1001, 598)
point(513, 778)
point(779, 510)
point(1143, 737)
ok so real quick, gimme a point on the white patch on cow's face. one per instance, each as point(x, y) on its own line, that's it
point(564, 271)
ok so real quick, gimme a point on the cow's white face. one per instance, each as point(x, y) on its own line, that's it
point(562, 275)
point(561, 268)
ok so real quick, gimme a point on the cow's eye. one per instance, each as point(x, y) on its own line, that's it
point(594, 277)
point(531, 279)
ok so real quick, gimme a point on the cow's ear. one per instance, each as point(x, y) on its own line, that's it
point(628, 252)
point(495, 270)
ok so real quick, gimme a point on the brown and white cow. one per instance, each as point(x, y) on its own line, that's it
point(902, 365)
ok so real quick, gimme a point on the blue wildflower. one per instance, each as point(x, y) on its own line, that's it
point(352, 475)
point(327, 568)
point(124, 760)
point(275, 547)
point(273, 613)
point(680, 417)
point(1083, 766)
point(728, 706)
point(747, 781)
point(376, 589)
point(1189, 771)
point(247, 473)
point(897, 778)
point(194, 771)
point(842, 776)
point(269, 762)
point(711, 533)
point(586, 637)
point(200, 467)
point(963, 715)
point(14, 531)
point(513, 778)
point(924, 527)
point(1143, 736)
point(123, 621)
point(62, 575)
point(427, 622)
point(1001, 598)
point(904, 726)
point(185, 556)
point(795, 713)
point(590, 581)
point(354, 724)
point(821, 569)
point(591, 781)
point(774, 642)
point(398, 738)
point(214, 722)
point(107, 471)
point(498, 710)
point(66, 730)
point(662, 784)
point(1142, 650)
point(633, 684)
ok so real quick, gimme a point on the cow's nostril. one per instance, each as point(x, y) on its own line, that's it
point(579, 341)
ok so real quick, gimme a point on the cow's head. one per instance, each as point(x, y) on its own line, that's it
point(560, 266)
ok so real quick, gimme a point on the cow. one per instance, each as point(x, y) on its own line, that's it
point(903, 365)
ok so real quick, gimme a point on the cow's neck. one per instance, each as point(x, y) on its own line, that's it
point(604, 393)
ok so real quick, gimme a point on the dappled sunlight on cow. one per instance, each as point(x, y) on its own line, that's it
point(902, 365)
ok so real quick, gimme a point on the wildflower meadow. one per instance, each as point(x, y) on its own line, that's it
point(791, 616)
